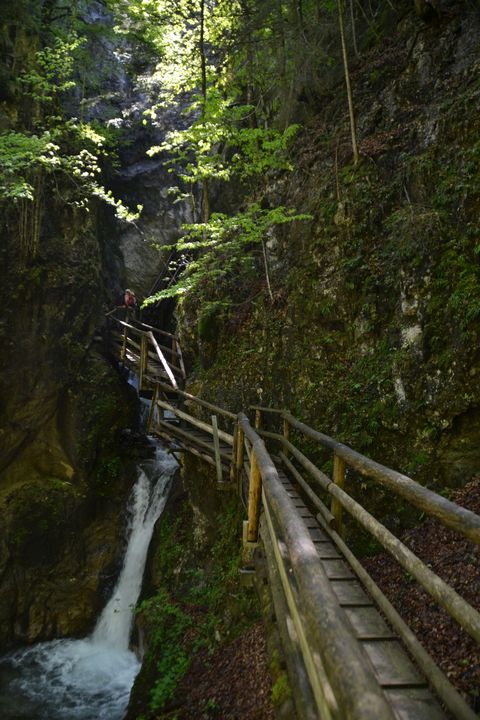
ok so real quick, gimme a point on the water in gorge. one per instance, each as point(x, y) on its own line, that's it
point(91, 679)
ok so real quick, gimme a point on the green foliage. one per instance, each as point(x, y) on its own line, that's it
point(51, 156)
point(53, 72)
point(169, 625)
point(208, 317)
point(205, 588)
point(224, 241)
point(19, 155)
point(218, 145)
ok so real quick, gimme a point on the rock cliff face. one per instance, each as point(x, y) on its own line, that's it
point(66, 463)
point(372, 335)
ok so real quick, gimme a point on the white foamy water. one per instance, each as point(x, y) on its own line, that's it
point(91, 679)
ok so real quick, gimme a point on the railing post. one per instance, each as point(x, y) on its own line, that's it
point(123, 353)
point(258, 419)
point(239, 456)
point(234, 454)
point(254, 498)
point(339, 480)
point(286, 435)
point(216, 445)
point(151, 412)
point(143, 360)
point(145, 357)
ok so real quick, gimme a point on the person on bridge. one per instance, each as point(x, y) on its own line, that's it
point(130, 303)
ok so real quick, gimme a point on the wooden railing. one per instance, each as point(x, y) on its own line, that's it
point(313, 481)
point(151, 349)
point(341, 683)
point(208, 419)
point(328, 647)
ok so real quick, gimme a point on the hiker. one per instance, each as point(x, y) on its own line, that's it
point(130, 303)
point(127, 301)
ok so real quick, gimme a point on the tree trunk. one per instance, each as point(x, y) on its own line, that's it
point(351, 112)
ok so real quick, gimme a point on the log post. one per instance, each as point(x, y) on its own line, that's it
point(234, 454)
point(286, 434)
point(339, 480)
point(239, 457)
point(258, 419)
point(145, 364)
point(216, 445)
point(123, 353)
point(142, 361)
point(254, 498)
point(151, 412)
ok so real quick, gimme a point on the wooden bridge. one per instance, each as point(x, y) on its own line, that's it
point(349, 654)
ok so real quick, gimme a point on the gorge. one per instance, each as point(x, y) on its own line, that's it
point(202, 154)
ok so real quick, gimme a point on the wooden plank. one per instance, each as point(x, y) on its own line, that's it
point(307, 489)
point(414, 704)
point(326, 551)
point(391, 664)
point(336, 569)
point(154, 357)
point(203, 403)
point(317, 534)
point(185, 448)
point(350, 592)
point(367, 622)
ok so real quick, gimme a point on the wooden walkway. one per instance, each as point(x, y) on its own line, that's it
point(348, 652)
point(404, 687)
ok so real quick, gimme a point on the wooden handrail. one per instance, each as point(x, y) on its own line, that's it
point(162, 359)
point(327, 631)
point(439, 681)
point(152, 353)
point(445, 511)
point(128, 325)
point(273, 411)
point(456, 606)
point(155, 329)
point(226, 437)
point(180, 356)
point(198, 401)
point(139, 331)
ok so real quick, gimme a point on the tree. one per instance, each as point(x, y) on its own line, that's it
point(48, 154)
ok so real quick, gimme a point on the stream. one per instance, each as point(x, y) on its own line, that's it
point(91, 679)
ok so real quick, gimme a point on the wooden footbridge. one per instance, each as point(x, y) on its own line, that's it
point(349, 654)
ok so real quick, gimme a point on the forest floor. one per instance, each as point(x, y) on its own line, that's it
point(457, 561)
point(231, 684)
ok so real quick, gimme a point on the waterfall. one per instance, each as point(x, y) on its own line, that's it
point(91, 679)
point(115, 623)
